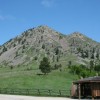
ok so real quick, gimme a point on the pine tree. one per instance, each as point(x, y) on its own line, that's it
point(69, 64)
point(57, 51)
point(92, 56)
point(43, 46)
point(4, 49)
point(91, 65)
point(97, 55)
point(45, 66)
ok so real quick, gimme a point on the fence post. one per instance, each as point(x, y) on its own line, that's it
point(11, 90)
point(27, 92)
point(49, 92)
point(60, 92)
point(70, 94)
point(20, 91)
point(38, 91)
point(6, 90)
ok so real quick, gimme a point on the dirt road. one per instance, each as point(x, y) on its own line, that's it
point(16, 97)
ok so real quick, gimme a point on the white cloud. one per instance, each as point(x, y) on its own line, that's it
point(48, 3)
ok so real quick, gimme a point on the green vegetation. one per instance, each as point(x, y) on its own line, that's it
point(45, 66)
point(20, 77)
point(30, 77)
point(4, 49)
point(83, 71)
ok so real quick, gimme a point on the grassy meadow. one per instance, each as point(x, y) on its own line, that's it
point(24, 78)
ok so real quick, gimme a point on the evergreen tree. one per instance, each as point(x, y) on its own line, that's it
point(57, 51)
point(86, 54)
point(45, 66)
point(91, 65)
point(23, 46)
point(69, 64)
point(43, 46)
point(53, 59)
point(97, 55)
point(57, 59)
point(4, 49)
point(92, 56)
point(97, 68)
point(82, 54)
point(14, 45)
point(11, 67)
point(93, 50)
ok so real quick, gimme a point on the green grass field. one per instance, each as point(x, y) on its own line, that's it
point(20, 77)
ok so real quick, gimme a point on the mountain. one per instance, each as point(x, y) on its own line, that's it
point(33, 44)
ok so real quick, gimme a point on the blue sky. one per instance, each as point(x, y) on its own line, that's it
point(65, 16)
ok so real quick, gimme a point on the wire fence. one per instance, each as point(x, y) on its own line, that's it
point(36, 92)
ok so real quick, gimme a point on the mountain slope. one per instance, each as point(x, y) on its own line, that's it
point(33, 44)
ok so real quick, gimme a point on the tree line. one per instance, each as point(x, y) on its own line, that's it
point(80, 70)
point(85, 71)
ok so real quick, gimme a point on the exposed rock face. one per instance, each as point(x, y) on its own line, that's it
point(42, 41)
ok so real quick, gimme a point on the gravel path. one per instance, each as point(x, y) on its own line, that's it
point(16, 97)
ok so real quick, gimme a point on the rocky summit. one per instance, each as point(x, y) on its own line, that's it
point(35, 43)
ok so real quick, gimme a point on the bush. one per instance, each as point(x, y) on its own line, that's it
point(81, 71)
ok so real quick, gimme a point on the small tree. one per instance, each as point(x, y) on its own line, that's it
point(91, 65)
point(57, 51)
point(14, 45)
point(11, 67)
point(43, 46)
point(4, 49)
point(45, 66)
point(57, 59)
point(23, 46)
point(35, 58)
point(92, 56)
point(97, 68)
point(97, 55)
point(69, 64)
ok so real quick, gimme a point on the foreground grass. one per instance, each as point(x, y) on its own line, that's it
point(28, 79)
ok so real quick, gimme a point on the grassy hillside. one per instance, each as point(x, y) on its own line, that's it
point(21, 77)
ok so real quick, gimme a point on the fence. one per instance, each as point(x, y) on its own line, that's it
point(36, 92)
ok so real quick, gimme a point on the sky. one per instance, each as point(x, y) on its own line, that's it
point(65, 16)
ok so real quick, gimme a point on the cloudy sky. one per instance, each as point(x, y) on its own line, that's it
point(65, 16)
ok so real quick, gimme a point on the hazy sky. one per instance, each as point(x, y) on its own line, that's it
point(65, 16)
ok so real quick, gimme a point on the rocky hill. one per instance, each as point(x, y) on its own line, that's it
point(33, 44)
